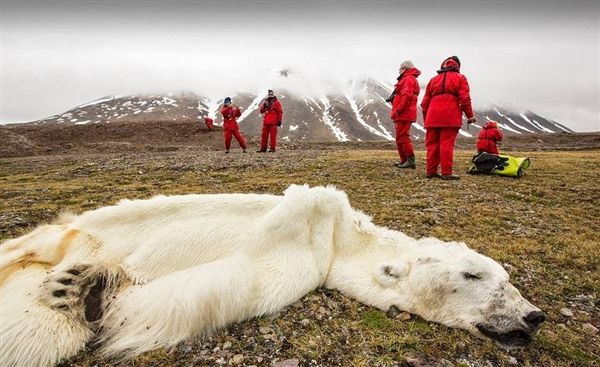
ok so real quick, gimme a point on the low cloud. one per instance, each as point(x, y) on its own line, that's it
point(56, 57)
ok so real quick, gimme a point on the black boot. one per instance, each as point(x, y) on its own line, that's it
point(450, 177)
point(410, 163)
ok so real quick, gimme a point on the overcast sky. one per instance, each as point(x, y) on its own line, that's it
point(538, 55)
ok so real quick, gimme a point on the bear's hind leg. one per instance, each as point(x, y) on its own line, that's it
point(32, 331)
point(81, 291)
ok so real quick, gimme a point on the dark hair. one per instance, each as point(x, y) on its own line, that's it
point(455, 58)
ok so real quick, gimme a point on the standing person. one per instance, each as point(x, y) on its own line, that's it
point(209, 123)
point(272, 113)
point(230, 113)
point(446, 98)
point(488, 136)
point(404, 112)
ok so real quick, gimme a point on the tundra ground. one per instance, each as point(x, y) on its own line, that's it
point(543, 227)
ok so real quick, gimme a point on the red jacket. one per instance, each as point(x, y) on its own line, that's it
point(488, 136)
point(404, 105)
point(272, 110)
point(229, 117)
point(447, 97)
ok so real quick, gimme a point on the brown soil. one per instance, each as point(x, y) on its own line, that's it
point(27, 140)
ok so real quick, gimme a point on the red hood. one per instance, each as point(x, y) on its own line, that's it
point(491, 125)
point(449, 64)
point(412, 71)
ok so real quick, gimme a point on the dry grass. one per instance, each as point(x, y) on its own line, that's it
point(545, 226)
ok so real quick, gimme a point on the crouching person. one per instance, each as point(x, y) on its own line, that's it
point(209, 123)
point(488, 137)
point(231, 128)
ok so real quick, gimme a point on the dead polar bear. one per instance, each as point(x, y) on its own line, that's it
point(150, 273)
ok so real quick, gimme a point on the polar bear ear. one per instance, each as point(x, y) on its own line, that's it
point(388, 274)
point(363, 223)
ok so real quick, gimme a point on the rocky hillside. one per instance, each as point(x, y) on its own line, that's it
point(357, 113)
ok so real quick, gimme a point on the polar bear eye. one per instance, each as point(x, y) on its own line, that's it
point(471, 276)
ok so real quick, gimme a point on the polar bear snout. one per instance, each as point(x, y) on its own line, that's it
point(534, 319)
point(511, 332)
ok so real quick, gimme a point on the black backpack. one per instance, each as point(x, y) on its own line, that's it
point(486, 163)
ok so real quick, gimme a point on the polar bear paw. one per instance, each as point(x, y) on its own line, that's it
point(78, 291)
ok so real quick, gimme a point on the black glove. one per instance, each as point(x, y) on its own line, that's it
point(390, 99)
point(279, 124)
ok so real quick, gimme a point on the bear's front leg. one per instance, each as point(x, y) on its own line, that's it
point(180, 305)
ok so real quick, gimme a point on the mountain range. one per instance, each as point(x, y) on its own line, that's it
point(357, 113)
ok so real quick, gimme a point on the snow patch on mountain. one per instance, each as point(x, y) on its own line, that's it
point(464, 133)
point(337, 132)
point(361, 121)
point(253, 106)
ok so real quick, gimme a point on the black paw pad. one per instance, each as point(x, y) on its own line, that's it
point(65, 281)
point(59, 293)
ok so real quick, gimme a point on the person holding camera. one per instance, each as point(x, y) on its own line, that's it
point(404, 112)
point(447, 97)
point(272, 113)
point(231, 128)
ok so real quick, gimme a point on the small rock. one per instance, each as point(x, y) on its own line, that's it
point(393, 311)
point(264, 329)
point(551, 334)
point(216, 349)
point(420, 359)
point(186, 348)
point(590, 329)
point(221, 361)
point(512, 360)
point(566, 312)
point(404, 316)
point(305, 322)
point(259, 359)
point(226, 345)
point(287, 363)
point(237, 359)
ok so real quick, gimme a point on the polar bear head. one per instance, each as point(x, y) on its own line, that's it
point(458, 287)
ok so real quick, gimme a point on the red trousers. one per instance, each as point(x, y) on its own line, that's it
point(237, 135)
point(268, 130)
point(439, 142)
point(403, 143)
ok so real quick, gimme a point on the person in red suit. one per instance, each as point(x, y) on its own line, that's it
point(272, 113)
point(447, 97)
point(209, 123)
point(230, 113)
point(488, 136)
point(404, 112)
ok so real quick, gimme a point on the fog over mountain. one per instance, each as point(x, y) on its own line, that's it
point(540, 56)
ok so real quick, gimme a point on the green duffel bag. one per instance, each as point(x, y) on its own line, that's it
point(503, 165)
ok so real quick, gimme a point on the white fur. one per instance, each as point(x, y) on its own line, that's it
point(187, 265)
